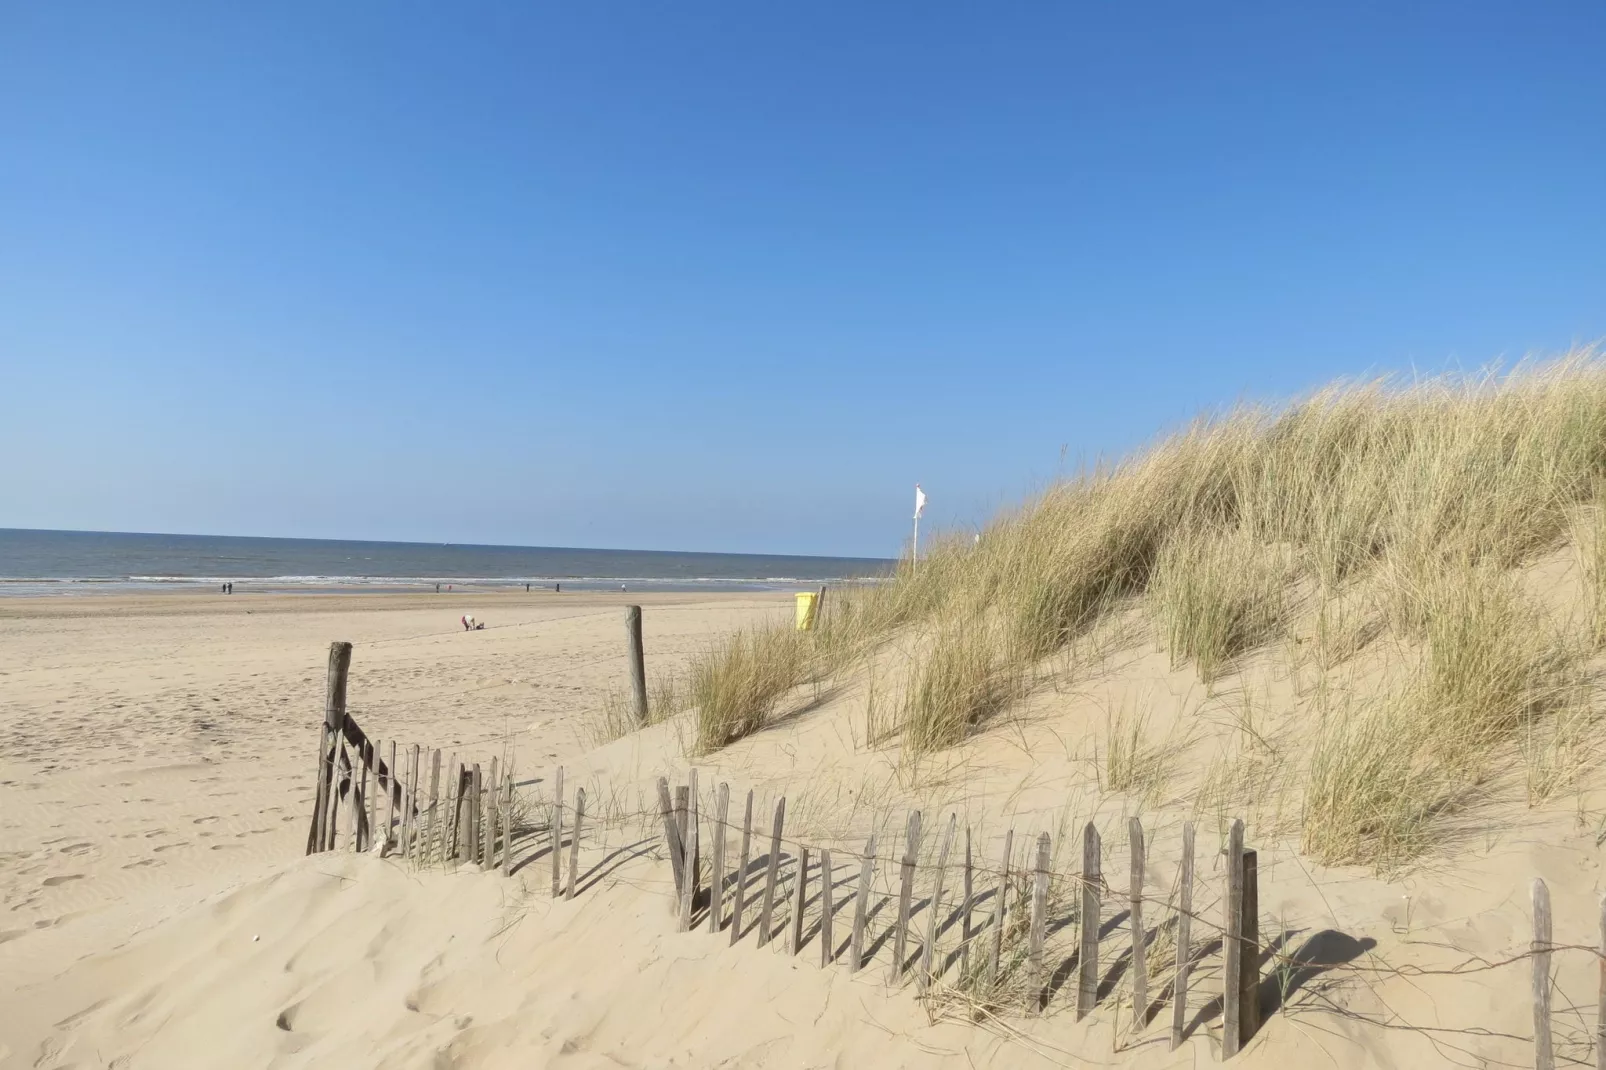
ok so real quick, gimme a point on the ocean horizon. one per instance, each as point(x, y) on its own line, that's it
point(50, 562)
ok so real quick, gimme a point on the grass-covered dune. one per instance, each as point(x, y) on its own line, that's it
point(1378, 541)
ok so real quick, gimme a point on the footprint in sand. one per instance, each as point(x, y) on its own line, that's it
point(170, 846)
point(51, 882)
point(76, 849)
point(222, 846)
point(144, 862)
point(209, 820)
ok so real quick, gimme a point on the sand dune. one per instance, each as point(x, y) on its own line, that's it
point(157, 780)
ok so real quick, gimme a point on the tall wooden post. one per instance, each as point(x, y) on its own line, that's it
point(329, 736)
point(638, 663)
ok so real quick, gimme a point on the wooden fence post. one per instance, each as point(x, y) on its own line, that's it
point(1000, 910)
point(354, 801)
point(493, 785)
point(1249, 963)
point(827, 942)
point(389, 771)
point(935, 916)
point(453, 845)
point(434, 800)
point(1087, 984)
point(672, 844)
point(1034, 956)
point(1140, 967)
point(800, 897)
point(682, 796)
point(766, 910)
point(688, 890)
point(557, 833)
point(638, 664)
point(1544, 1053)
point(401, 804)
point(1600, 1007)
point(861, 906)
point(342, 765)
point(1179, 986)
point(716, 879)
point(1232, 945)
point(415, 792)
point(370, 794)
point(964, 912)
point(329, 735)
point(476, 814)
point(906, 890)
point(413, 769)
point(507, 822)
point(740, 891)
point(574, 840)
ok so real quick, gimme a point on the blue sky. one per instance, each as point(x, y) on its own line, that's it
point(734, 277)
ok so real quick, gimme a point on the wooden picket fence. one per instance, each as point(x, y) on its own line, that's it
point(378, 786)
point(708, 889)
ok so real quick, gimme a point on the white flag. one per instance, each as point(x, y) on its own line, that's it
point(920, 501)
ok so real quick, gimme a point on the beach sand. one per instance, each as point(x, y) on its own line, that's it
point(156, 776)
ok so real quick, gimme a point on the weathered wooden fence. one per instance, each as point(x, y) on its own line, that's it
point(1009, 937)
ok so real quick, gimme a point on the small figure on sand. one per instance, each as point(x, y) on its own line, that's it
point(472, 625)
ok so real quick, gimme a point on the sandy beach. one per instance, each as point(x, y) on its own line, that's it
point(157, 749)
point(157, 781)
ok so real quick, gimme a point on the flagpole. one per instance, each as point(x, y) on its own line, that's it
point(916, 554)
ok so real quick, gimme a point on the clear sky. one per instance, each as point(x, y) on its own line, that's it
point(735, 276)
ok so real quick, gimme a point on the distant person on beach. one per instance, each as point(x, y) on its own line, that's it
point(556, 587)
point(468, 622)
point(437, 588)
point(526, 588)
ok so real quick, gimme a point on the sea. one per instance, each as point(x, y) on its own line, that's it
point(34, 563)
